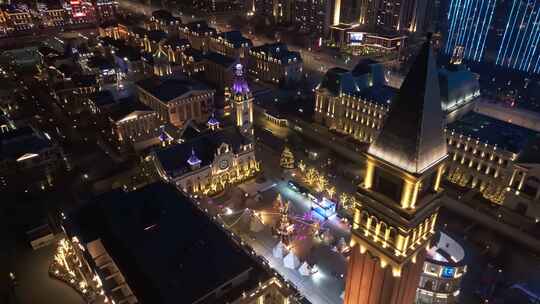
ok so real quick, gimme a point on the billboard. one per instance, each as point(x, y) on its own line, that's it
point(356, 38)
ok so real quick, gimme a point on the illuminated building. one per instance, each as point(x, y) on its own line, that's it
point(350, 103)
point(468, 25)
point(518, 48)
point(175, 47)
point(275, 63)
point(313, 16)
point(163, 20)
point(219, 6)
point(240, 100)
point(231, 44)
point(52, 14)
point(356, 40)
point(459, 89)
point(356, 102)
point(16, 19)
point(160, 60)
point(80, 11)
point(282, 11)
point(134, 124)
point(127, 242)
point(106, 9)
point(28, 159)
point(198, 33)
point(176, 101)
point(482, 154)
point(73, 94)
point(443, 270)
point(395, 15)
point(399, 198)
point(208, 163)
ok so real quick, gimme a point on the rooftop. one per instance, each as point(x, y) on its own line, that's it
point(278, 51)
point(412, 137)
point(504, 135)
point(447, 251)
point(167, 89)
point(163, 245)
point(127, 109)
point(222, 60)
point(16, 143)
point(235, 38)
point(173, 159)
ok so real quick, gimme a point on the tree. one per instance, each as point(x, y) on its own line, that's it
point(287, 159)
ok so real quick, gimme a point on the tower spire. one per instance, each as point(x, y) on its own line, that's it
point(412, 137)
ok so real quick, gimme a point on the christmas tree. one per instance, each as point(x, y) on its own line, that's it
point(287, 159)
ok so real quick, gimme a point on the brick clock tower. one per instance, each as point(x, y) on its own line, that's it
point(399, 198)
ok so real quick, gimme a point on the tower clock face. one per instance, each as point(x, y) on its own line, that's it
point(223, 164)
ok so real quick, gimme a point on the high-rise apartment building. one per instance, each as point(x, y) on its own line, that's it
point(398, 15)
point(468, 27)
point(313, 16)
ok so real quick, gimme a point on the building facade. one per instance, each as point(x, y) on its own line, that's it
point(176, 101)
point(29, 159)
point(275, 63)
point(209, 163)
point(443, 270)
point(198, 33)
point(231, 44)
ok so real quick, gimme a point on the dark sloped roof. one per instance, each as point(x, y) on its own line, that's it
point(169, 88)
point(380, 94)
point(127, 108)
point(129, 52)
point(157, 35)
point(338, 80)
point(18, 142)
point(531, 153)
point(196, 54)
point(173, 159)
point(279, 51)
point(412, 137)
point(222, 60)
point(162, 244)
point(200, 27)
point(363, 66)
point(235, 38)
point(507, 136)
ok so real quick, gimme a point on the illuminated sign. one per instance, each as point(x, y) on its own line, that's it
point(356, 38)
point(325, 208)
point(448, 272)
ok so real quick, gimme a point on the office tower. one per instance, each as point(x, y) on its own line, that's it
point(518, 48)
point(398, 15)
point(468, 27)
point(399, 198)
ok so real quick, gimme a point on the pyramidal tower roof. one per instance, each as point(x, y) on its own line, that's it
point(412, 137)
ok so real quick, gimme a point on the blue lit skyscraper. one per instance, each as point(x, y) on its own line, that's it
point(518, 48)
point(469, 22)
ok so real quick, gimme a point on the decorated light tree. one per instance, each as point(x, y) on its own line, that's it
point(287, 159)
